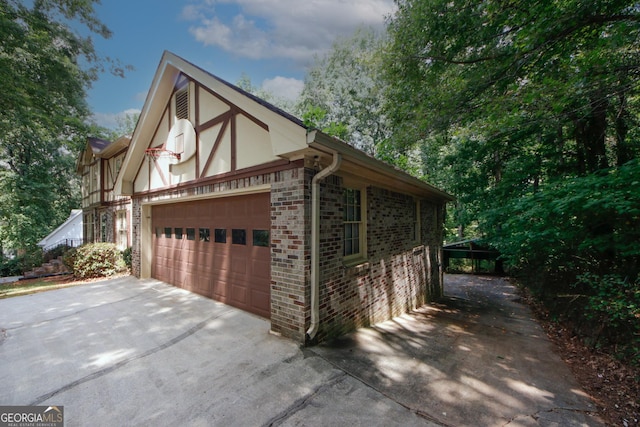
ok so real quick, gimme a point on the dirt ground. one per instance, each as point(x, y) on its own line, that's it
point(614, 386)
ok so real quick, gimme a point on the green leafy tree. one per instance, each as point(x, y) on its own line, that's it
point(528, 112)
point(343, 92)
point(529, 90)
point(46, 68)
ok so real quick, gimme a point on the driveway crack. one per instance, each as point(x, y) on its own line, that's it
point(418, 412)
point(303, 402)
point(102, 372)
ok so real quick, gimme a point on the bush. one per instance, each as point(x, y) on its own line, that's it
point(95, 260)
point(613, 303)
point(69, 258)
point(21, 263)
point(126, 255)
point(11, 267)
point(575, 245)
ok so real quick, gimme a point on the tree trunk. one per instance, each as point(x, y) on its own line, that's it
point(590, 132)
point(623, 152)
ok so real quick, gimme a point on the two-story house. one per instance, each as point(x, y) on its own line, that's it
point(239, 201)
point(106, 216)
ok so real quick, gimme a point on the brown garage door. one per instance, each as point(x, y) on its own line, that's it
point(218, 248)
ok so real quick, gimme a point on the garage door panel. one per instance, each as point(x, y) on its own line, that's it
point(261, 269)
point(234, 274)
point(203, 285)
point(239, 295)
point(239, 265)
point(261, 300)
point(220, 261)
point(219, 289)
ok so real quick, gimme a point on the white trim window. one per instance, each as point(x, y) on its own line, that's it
point(353, 224)
point(417, 226)
point(121, 230)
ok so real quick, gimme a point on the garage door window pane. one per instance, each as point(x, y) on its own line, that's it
point(178, 233)
point(204, 235)
point(158, 232)
point(239, 236)
point(191, 234)
point(220, 235)
point(261, 238)
point(167, 232)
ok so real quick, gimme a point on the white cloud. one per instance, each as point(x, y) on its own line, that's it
point(286, 88)
point(290, 29)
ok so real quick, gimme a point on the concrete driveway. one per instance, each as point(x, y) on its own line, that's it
point(131, 352)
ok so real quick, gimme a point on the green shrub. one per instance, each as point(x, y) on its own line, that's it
point(95, 260)
point(574, 243)
point(69, 258)
point(126, 255)
point(613, 303)
point(11, 267)
point(18, 265)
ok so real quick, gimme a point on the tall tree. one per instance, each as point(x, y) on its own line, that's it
point(531, 90)
point(343, 91)
point(46, 68)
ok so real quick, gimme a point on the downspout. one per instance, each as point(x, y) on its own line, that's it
point(315, 243)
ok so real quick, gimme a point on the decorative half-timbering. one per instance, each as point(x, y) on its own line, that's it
point(241, 202)
point(106, 215)
point(201, 135)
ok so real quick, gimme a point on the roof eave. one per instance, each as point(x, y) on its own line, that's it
point(318, 140)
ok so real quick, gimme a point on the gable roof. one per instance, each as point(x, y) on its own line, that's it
point(54, 237)
point(290, 138)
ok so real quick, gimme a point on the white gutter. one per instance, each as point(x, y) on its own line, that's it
point(315, 243)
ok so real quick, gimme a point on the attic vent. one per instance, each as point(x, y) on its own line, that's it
point(182, 103)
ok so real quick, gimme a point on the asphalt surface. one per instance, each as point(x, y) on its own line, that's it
point(140, 352)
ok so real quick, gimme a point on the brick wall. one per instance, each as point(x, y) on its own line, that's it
point(290, 253)
point(400, 273)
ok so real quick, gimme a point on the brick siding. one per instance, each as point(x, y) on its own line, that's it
point(290, 253)
point(399, 274)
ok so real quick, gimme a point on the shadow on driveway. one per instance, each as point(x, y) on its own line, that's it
point(141, 352)
point(476, 358)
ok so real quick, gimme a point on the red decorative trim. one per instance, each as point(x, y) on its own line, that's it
point(275, 166)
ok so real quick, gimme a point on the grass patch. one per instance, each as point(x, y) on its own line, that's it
point(27, 287)
point(32, 286)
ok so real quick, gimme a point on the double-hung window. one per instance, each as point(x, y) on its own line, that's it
point(353, 239)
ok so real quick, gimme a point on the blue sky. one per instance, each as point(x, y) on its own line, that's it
point(271, 41)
